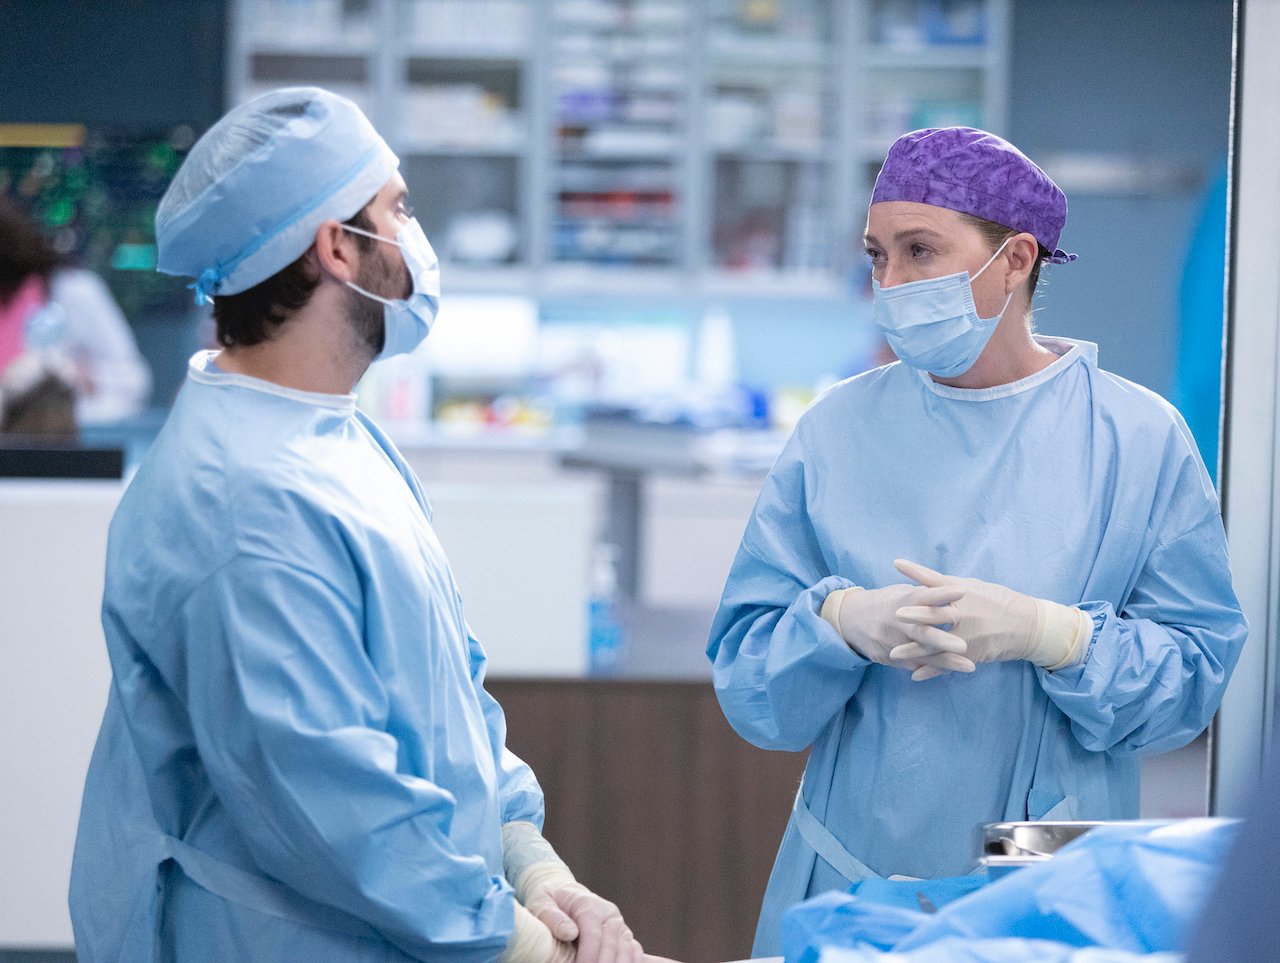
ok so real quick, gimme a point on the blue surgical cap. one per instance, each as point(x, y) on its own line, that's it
point(250, 196)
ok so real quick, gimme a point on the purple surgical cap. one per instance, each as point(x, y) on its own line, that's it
point(976, 173)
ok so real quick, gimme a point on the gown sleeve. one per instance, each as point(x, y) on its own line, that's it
point(290, 721)
point(1156, 670)
point(781, 672)
point(518, 788)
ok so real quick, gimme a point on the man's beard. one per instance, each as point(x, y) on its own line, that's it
point(367, 315)
point(367, 325)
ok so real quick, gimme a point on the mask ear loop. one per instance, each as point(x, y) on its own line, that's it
point(369, 294)
point(987, 265)
point(396, 242)
point(377, 237)
point(993, 257)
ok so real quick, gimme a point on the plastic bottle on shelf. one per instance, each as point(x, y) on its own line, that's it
point(606, 637)
point(717, 358)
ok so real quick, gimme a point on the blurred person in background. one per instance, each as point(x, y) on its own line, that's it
point(37, 393)
point(77, 343)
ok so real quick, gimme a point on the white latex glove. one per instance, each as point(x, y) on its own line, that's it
point(532, 942)
point(866, 619)
point(998, 623)
point(570, 911)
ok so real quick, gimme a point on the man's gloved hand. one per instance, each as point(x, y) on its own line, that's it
point(570, 911)
point(998, 623)
point(866, 619)
point(532, 942)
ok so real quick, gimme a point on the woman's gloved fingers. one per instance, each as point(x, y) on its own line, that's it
point(931, 666)
point(955, 663)
point(947, 661)
point(939, 595)
point(927, 672)
point(928, 614)
point(920, 573)
point(925, 640)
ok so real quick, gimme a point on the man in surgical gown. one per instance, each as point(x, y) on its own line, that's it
point(982, 582)
point(299, 760)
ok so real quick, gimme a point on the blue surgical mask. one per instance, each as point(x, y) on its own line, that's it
point(933, 324)
point(408, 321)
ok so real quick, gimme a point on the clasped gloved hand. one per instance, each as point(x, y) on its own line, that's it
point(532, 942)
point(998, 623)
point(867, 620)
point(571, 912)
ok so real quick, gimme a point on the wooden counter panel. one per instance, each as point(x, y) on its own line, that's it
point(657, 804)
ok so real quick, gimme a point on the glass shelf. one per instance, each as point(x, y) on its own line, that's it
point(336, 49)
point(771, 283)
point(619, 110)
point(418, 147)
point(771, 130)
point(753, 51)
point(465, 29)
point(929, 57)
point(775, 154)
point(514, 53)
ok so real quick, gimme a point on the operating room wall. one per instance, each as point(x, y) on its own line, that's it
point(1144, 82)
point(145, 63)
point(145, 66)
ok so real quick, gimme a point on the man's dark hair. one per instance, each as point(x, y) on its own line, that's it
point(995, 235)
point(24, 250)
point(254, 315)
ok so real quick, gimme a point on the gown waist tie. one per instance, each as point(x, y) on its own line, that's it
point(823, 842)
point(260, 894)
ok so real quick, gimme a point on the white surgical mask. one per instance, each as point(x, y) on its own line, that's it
point(933, 324)
point(407, 321)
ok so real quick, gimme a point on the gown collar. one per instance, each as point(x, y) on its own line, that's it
point(201, 369)
point(1069, 352)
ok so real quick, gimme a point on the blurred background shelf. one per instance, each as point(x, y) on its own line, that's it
point(479, 51)
point(616, 185)
point(929, 57)
point(719, 141)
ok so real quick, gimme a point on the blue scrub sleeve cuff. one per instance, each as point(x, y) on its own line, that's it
point(830, 647)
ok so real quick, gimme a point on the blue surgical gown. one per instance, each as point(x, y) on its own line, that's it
point(298, 760)
point(1072, 485)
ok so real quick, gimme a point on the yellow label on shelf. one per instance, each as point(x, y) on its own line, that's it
point(42, 135)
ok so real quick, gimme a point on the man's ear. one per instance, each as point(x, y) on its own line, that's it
point(335, 251)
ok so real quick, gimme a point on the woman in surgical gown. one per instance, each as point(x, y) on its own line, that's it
point(990, 454)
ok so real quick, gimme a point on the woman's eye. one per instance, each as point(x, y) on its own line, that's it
point(874, 256)
point(919, 250)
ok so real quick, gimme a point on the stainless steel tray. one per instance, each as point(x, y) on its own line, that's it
point(1007, 846)
point(1030, 839)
